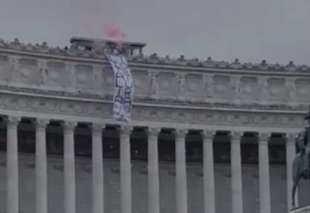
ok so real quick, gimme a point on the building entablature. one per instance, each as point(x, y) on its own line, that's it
point(34, 81)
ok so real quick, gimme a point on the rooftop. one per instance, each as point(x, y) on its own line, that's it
point(135, 55)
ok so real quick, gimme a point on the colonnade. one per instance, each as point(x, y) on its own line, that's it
point(153, 169)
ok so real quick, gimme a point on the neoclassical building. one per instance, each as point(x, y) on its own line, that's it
point(206, 136)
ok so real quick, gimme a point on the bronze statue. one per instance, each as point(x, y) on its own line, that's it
point(301, 164)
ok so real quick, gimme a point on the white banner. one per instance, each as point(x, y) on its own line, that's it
point(123, 88)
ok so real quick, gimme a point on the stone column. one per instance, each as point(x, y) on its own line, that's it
point(181, 180)
point(236, 91)
point(125, 164)
point(41, 166)
point(97, 169)
point(236, 173)
point(181, 85)
point(12, 165)
point(153, 175)
point(290, 155)
point(69, 168)
point(209, 85)
point(264, 178)
point(208, 172)
point(154, 85)
point(263, 87)
point(291, 88)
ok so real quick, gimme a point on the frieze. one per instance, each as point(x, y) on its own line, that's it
point(158, 102)
point(151, 114)
point(167, 85)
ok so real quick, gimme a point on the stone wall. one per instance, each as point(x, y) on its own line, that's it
point(196, 85)
point(166, 94)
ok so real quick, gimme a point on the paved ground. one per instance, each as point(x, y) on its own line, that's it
point(139, 181)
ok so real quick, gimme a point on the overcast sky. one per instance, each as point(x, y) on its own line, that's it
point(252, 30)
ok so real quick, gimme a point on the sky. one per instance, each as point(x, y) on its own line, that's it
point(251, 30)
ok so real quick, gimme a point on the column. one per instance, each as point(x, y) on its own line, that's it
point(209, 82)
point(12, 165)
point(263, 86)
point(236, 86)
point(291, 88)
point(125, 164)
point(154, 84)
point(181, 85)
point(264, 178)
point(180, 161)
point(290, 155)
point(236, 173)
point(41, 166)
point(69, 168)
point(208, 172)
point(97, 169)
point(153, 175)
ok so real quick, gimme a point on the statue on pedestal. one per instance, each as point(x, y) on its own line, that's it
point(301, 164)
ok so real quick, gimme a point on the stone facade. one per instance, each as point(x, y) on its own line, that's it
point(81, 86)
point(71, 85)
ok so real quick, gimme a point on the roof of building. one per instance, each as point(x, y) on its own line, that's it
point(151, 59)
point(105, 41)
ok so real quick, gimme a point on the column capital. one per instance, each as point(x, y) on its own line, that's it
point(41, 123)
point(153, 131)
point(291, 137)
point(236, 136)
point(180, 133)
point(97, 127)
point(13, 120)
point(69, 125)
point(264, 136)
point(126, 130)
point(208, 134)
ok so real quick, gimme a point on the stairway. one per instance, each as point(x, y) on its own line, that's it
point(305, 209)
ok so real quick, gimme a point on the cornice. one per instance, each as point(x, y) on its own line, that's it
point(155, 61)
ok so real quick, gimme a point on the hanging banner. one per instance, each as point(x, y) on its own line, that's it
point(123, 87)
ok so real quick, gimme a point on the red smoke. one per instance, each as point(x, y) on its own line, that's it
point(98, 19)
point(113, 32)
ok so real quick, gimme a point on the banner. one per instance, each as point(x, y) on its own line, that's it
point(123, 88)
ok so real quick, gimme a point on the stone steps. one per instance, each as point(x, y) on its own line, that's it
point(305, 209)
